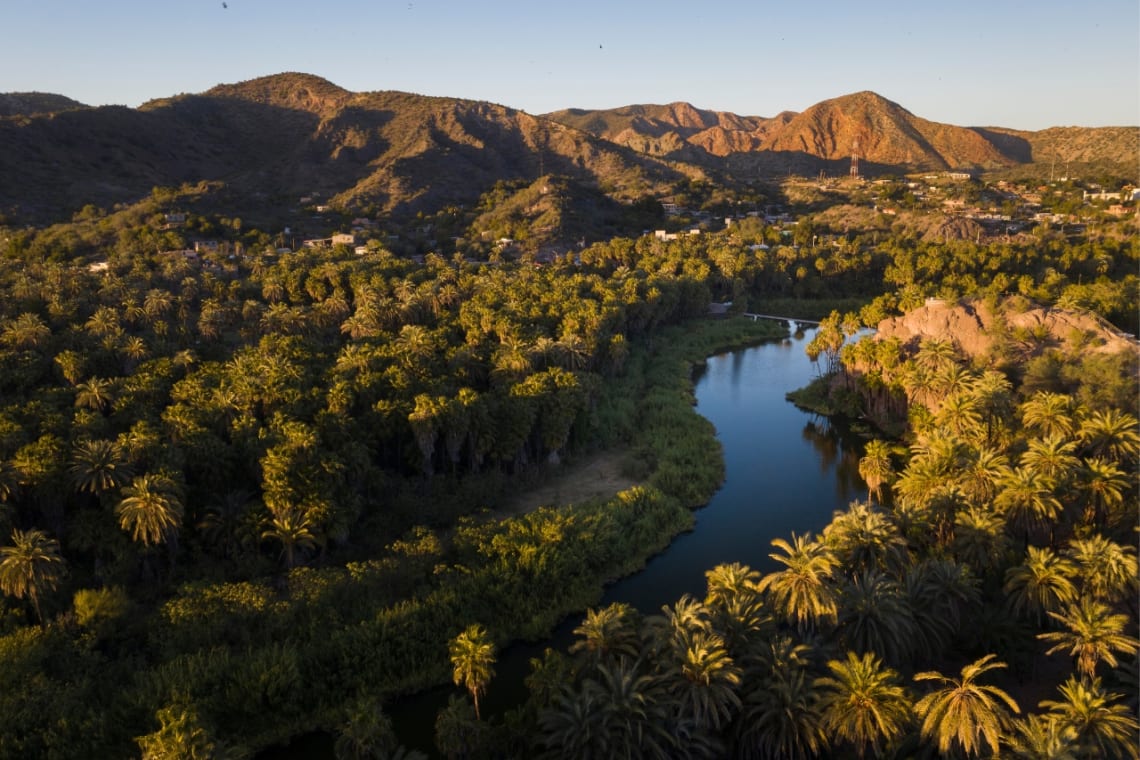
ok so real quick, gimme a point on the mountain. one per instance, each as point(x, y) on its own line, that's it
point(33, 103)
point(272, 140)
point(291, 135)
point(886, 137)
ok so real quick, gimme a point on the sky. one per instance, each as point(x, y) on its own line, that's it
point(1001, 63)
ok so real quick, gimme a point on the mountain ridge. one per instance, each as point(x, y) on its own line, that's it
point(395, 153)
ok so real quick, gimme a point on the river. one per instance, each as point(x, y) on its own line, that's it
point(785, 470)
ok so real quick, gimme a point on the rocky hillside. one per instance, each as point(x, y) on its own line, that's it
point(974, 328)
point(886, 136)
point(293, 135)
point(276, 139)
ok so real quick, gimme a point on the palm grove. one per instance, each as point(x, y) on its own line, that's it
point(238, 492)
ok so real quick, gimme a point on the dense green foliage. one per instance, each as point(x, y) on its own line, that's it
point(256, 472)
point(1001, 552)
point(271, 481)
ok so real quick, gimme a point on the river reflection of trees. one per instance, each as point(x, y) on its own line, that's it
point(837, 447)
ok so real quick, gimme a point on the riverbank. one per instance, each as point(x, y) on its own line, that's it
point(520, 576)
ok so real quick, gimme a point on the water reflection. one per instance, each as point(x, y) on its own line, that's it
point(786, 471)
point(839, 452)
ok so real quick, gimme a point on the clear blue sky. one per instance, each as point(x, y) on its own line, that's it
point(996, 63)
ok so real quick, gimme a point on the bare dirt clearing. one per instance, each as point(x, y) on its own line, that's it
point(596, 476)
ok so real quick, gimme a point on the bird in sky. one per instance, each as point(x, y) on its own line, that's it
point(225, 6)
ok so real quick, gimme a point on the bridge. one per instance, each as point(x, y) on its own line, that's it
point(797, 320)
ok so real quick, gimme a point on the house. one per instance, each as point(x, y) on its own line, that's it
point(663, 235)
point(343, 238)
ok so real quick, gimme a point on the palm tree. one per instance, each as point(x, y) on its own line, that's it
point(1047, 414)
point(1042, 737)
point(1041, 584)
point(473, 661)
point(96, 467)
point(31, 566)
point(940, 592)
point(607, 633)
point(804, 591)
point(1053, 458)
point(959, 414)
point(702, 679)
point(1102, 727)
point(863, 703)
point(981, 476)
point(1104, 485)
point(96, 394)
point(365, 733)
point(1092, 633)
point(1027, 501)
point(458, 732)
point(632, 708)
point(26, 331)
point(980, 539)
point(151, 510)
point(736, 606)
point(875, 616)
point(728, 581)
point(293, 528)
point(1110, 434)
point(936, 355)
point(780, 719)
point(1107, 570)
point(863, 538)
point(876, 469)
point(573, 726)
point(964, 713)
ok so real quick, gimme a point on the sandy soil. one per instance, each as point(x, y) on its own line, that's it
point(598, 475)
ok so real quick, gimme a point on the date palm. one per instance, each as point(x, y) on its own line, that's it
point(1107, 570)
point(736, 606)
point(95, 394)
point(864, 538)
point(876, 469)
point(97, 467)
point(980, 539)
point(982, 475)
point(1104, 486)
point(702, 680)
point(292, 527)
point(633, 712)
point(1091, 633)
point(1046, 414)
point(27, 331)
point(607, 633)
point(151, 510)
point(31, 566)
point(875, 616)
point(862, 702)
point(941, 592)
point(1042, 737)
point(1027, 501)
point(1103, 726)
point(1043, 583)
point(804, 591)
point(963, 713)
point(1110, 434)
point(780, 719)
point(472, 655)
point(1054, 458)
